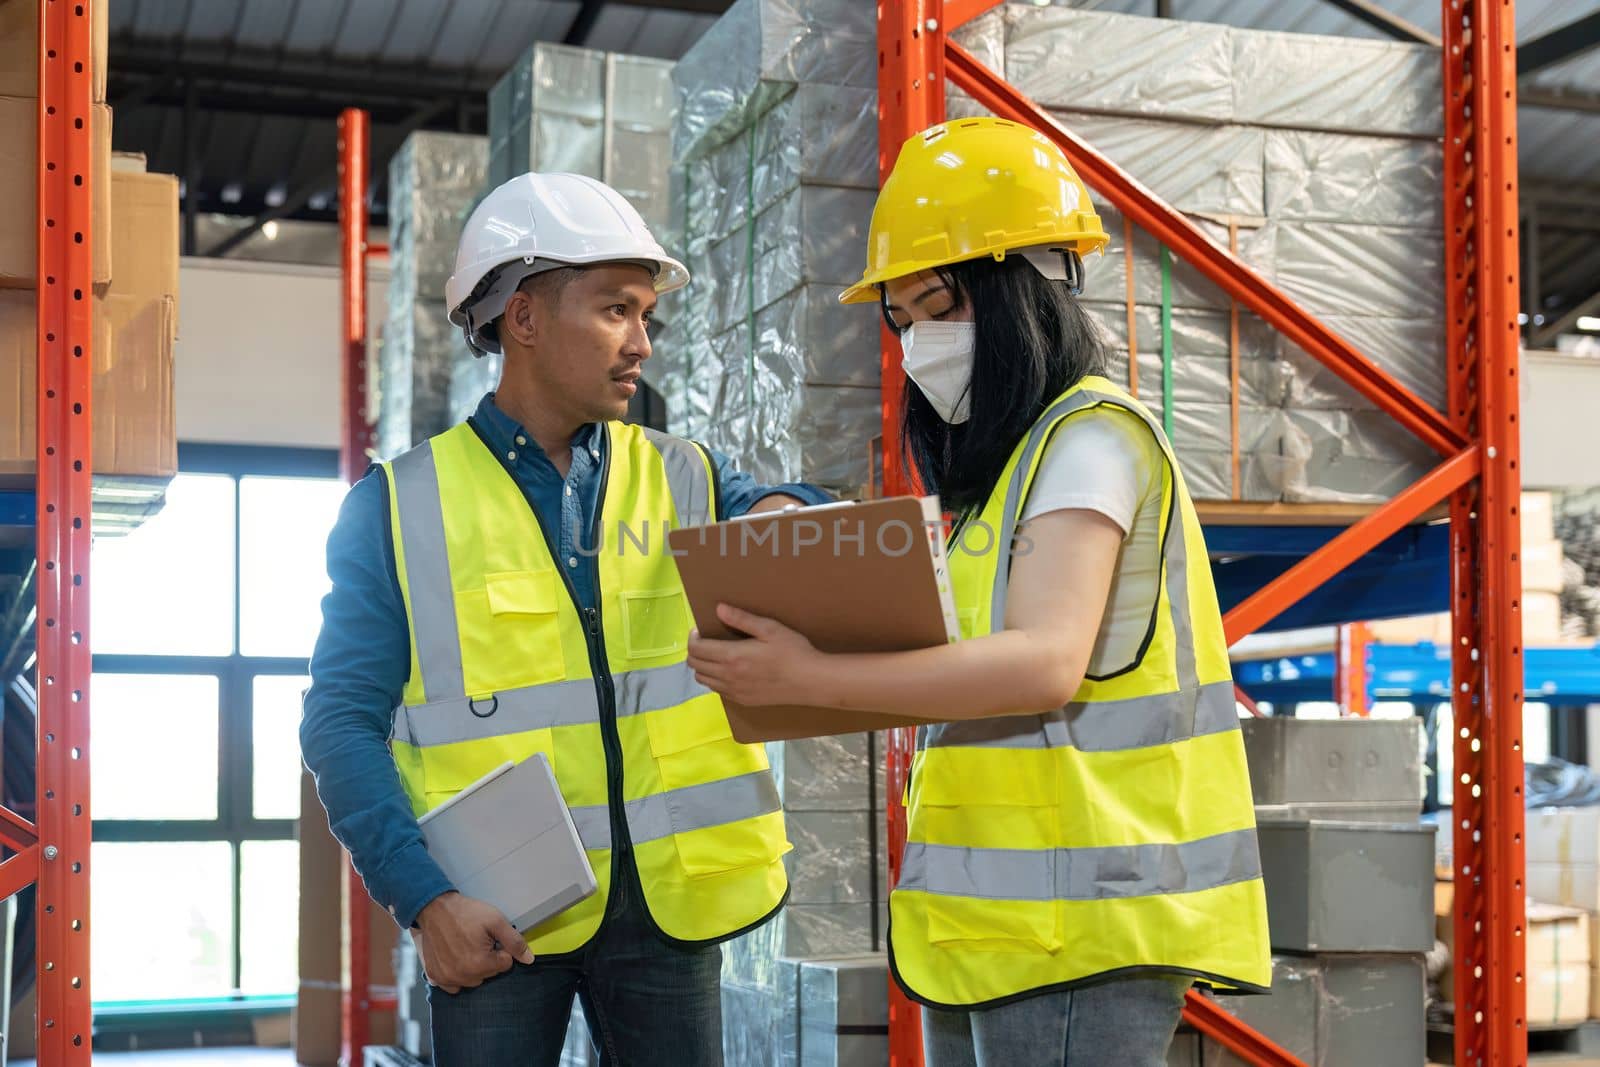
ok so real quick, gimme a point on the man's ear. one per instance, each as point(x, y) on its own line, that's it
point(517, 321)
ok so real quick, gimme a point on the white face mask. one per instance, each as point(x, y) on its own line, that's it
point(938, 357)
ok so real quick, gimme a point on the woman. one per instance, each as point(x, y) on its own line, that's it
point(1081, 844)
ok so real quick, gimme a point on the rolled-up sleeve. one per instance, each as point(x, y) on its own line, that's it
point(359, 667)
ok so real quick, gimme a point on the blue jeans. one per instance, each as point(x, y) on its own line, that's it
point(646, 1002)
point(1126, 1022)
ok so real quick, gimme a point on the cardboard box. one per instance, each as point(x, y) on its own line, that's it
point(19, 47)
point(1538, 517)
point(1568, 836)
point(1557, 996)
point(1541, 566)
point(1541, 618)
point(144, 236)
point(19, 178)
point(1570, 885)
point(132, 409)
point(321, 964)
point(1412, 630)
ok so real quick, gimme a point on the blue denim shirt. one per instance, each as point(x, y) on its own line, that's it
point(362, 658)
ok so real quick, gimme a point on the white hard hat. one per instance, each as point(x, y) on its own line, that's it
point(539, 222)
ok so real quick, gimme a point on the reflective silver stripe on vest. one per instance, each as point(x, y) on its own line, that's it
point(433, 602)
point(677, 811)
point(687, 476)
point(696, 807)
point(1103, 726)
point(515, 711)
point(1109, 873)
point(593, 823)
point(538, 707)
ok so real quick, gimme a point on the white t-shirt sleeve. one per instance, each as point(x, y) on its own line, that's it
point(1103, 460)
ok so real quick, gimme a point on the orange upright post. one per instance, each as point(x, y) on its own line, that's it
point(1481, 302)
point(910, 99)
point(65, 354)
point(357, 1002)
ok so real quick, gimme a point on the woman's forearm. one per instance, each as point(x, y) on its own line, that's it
point(1010, 671)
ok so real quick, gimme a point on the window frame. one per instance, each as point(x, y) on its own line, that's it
point(236, 822)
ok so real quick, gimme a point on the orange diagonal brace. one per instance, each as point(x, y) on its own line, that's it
point(15, 831)
point(1174, 230)
point(1203, 1014)
point(19, 872)
point(961, 12)
point(1283, 592)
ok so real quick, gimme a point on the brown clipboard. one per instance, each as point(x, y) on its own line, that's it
point(853, 577)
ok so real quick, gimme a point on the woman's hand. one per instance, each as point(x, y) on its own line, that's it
point(774, 665)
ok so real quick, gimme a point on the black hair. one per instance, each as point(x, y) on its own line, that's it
point(1034, 341)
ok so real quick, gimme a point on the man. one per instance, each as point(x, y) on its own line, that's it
point(488, 604)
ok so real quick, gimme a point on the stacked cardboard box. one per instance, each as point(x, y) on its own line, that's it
point(1563, 854)
point(1543, 577)
point(434, 181)
point(133, 238)
point(1561, 949)
point(321, 941)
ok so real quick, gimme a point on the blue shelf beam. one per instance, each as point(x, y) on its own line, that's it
point(1408, 574)
point(1557, 676)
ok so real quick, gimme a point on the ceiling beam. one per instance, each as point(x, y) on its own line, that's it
point(302, 196)
point(1588, 306)
point(241, 100)
point(1376, 16)
point(1558, 98)
point(584, 22)
point(1559, 45)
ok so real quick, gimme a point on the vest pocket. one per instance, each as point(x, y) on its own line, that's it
point(655, 622)
point(448, 769)
point(526, 635)
point(735, 846)
point(1021, 926)
point(692, 743)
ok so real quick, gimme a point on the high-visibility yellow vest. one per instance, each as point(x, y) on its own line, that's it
point(504, 664)
point(1110, 836)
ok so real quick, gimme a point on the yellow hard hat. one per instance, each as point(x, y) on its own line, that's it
point(970, 188)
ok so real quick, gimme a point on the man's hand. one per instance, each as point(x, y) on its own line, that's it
point(463, 941)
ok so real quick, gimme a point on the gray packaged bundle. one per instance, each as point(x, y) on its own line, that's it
point(1355, 269)
point(818, 135)
point(1336, 83)
point(1194, 168)
point(569, 109)
point(548, 113)
point(1093, 61)
point(1337, 177)
point(434, 179)
point(471, 377)
point(808, 336)
point(756, 52)
point(1106, 274)
point(844, 1012)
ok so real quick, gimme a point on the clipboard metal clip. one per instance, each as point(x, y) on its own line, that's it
point(494, 706)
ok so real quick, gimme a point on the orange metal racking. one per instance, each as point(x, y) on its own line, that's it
point(1477, 473)
point(55, 852)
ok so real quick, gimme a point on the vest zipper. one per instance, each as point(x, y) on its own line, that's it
point(594, 636)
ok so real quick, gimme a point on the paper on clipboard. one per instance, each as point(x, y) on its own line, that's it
point(853, 577)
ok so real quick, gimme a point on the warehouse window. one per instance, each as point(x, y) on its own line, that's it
point(203, 622)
